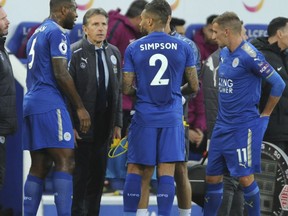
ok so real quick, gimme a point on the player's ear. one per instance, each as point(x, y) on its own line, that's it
point(64, 10)
point(169, 20)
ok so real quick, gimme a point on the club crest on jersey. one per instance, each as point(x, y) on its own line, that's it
point(63, 47)
point(113, 59)
point(235, 62)
point(83, 62)
point(67, 136)
point(82, 65)
point(248, 49)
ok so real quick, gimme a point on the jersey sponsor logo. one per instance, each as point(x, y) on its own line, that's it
point(67, 136)
point(63, 47)
point(235, 62)
point(225, 86)
point(156, 46)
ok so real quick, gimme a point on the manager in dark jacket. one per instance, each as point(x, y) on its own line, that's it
point(274, 48)
point(8, 118)
point(96, 70)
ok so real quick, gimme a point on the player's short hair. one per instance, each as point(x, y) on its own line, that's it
point(94, 11)
point(229, 20)
point(276, 24)
point(136, 8)
point(160, 9)
point(55, 4)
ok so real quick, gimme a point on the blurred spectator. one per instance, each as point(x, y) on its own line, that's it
point(197, 126)
point(203, 39)
point(122, 30)
point(274, 48)
point(21, 53)
point(178, 25)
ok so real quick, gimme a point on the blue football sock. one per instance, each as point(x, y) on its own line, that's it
point(63, 190)
point(213, 198)
point(132, 193)
point(165, 195)
point(33, 189)
point(252, 199)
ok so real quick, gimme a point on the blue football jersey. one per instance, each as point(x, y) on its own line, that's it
point(49, 41)
point(240, 74)
point(158, 61)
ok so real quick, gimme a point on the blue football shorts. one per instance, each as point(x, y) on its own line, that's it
point(151, 146)
point(236, 148)
point(51, 129)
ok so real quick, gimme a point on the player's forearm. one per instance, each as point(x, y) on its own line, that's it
point(278, 86)
point(128, 90)
point(66, 84)
point(127, 84)
point(192, 85)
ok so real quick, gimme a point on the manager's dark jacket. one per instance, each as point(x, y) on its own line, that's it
point(8, 118)
point(83, 71)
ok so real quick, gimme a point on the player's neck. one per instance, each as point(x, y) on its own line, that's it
point(157, 30)
point(55, 18)
point(234, 43)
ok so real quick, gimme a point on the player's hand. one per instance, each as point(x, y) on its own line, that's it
point(84, 119)
point(196, 136)
point(117, 133)
point(76, 137)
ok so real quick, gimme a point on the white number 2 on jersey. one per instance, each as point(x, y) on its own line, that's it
point(164, 64)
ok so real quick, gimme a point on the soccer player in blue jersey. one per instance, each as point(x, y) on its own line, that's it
point(155, 64)
point(183, 192)
point(239, 128)
point(47, 129)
